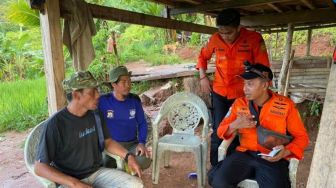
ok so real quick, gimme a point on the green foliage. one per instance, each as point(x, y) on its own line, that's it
point(195, 39)
point(300, 37)
point(20, 55)
point(20, 13)
point(315, 108)
point(104, 60)
point(140, 87)
point(327, 31)
point(193, 17)
point(142, 42)
point(23, 104)
point(135, 5)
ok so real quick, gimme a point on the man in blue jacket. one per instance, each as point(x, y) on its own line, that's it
point(125, 117)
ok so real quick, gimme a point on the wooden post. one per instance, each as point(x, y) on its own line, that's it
point(276, 45)
point(309, 35)
point(53, 54)
point(269, 46)
point(323, 167)
point(289, 72)
point(285, 62)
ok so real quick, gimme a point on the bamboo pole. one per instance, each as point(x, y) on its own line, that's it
point(276, 45)
point(309, 35)
point(289, 72)
point(284, 68)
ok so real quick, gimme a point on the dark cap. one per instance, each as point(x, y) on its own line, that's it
point(117, 72)
point(228, 17)
point(256, 71)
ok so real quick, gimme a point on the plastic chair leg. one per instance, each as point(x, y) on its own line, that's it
point(157, 166)
point(154, 163)
point(199, 165)
point(166, 159)
point(204, 163)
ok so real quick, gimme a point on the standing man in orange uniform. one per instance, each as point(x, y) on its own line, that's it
point(232, 46)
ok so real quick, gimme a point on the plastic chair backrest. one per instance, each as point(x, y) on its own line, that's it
point(31, 145)
point(30, 151)
point(184, 111)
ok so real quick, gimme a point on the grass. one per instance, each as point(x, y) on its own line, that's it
point(140, 87)
point(23, 104)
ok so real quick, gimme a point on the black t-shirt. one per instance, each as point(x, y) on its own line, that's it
point(71, 144)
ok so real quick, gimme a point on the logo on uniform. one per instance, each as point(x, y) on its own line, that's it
point(110, 114)
point(132, 113)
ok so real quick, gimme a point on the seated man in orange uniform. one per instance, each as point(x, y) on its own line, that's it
point(278, 115)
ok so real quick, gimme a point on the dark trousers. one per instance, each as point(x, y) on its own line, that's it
point(248, 165)
point(221, 106)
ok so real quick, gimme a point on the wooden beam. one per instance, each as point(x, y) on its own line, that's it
point(275, 7)
point(53, 55)
point(289, 54)
point(109, 13)
point(309, 36)
point(222, 5)
point(307, 16)
point(192, 2)
point(306, 90)
point(301, 28)
point(308, 4)
point(323, 167)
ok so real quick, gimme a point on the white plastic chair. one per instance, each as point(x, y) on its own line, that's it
point(30, 150)
point(248, 183)
point(183, 111)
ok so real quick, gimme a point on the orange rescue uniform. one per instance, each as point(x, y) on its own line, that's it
point(249, 46)
point(278, 114)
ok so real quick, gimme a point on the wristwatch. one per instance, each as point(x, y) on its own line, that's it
point(127, 155)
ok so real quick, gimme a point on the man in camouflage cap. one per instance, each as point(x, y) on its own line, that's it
point(71, 144)
point(125, 118)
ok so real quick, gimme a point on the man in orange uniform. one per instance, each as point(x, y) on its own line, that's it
point(277, 114)
point(232, 46)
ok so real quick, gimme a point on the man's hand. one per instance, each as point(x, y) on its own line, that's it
point(79, 184)
point(134, 165)
point(244, 121)
point(205, 85)
point(142, 150)
point(282, 154)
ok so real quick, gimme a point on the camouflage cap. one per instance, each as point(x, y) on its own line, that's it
point(117, 72)
point(79, 80)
